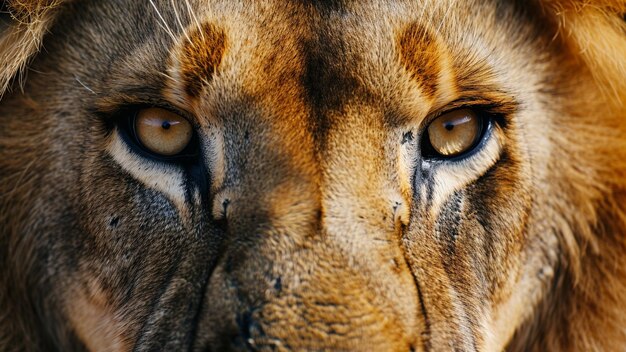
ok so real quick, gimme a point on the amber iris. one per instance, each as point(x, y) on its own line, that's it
point(162, 132)
point(455, 132)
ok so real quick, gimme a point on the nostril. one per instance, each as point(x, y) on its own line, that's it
point(249, 330)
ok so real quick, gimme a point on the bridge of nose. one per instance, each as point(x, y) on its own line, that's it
point(312, 257)
point(316, 261)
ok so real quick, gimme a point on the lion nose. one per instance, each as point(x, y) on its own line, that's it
point(309, 298)
point(292, 277)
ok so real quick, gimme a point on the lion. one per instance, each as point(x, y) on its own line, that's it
point(228, 175)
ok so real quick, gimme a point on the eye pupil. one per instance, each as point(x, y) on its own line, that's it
point(166, 125)
point(449, 126)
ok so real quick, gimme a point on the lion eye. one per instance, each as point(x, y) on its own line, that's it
point(162, 132)
point(454, 133)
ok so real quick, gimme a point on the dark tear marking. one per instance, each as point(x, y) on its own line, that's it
point(420, 54)
point(201, 56)
point(448, 227)
point(483, 197)
point(425, 175)
point(197, 176)
point(448, 224)
point(484, 188)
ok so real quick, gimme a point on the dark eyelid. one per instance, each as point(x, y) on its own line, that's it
point(110, 109)
point(497, 103)
point(493, 111)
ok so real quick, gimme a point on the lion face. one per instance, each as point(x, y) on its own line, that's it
point(302, 175)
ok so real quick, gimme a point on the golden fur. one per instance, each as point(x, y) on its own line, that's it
point(310, 222)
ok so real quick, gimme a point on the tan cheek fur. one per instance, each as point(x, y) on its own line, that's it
point(95, 321)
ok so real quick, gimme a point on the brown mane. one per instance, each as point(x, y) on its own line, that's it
point(587, 307)
point(22, 39)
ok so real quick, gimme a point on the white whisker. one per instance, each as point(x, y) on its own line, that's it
point(84, 85)
point(420, 18)
point(180, 23)
point(165, 75)
point(167, 27)
point(445, 15)
point(195, 19)
point(423, 16)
